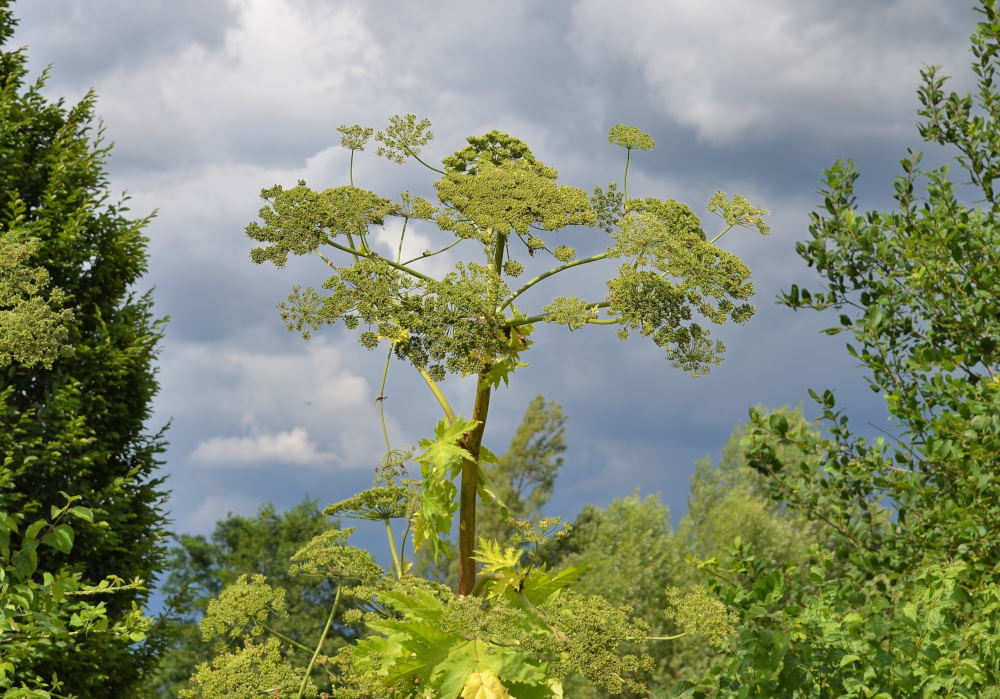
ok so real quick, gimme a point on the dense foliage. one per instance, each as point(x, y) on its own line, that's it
point(75, 423)
point(629, 551)
point(905, 599)
point(41, 607)
point(197, 569)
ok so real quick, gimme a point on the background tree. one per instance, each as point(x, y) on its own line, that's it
point(730, 501)
point(198, 568)
point(630, 550)
point(907, 602)
point(41, 607)
point(79, 427)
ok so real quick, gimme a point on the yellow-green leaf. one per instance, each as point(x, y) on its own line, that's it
point(484, 685)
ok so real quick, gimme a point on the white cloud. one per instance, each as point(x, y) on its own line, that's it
point(292, 447)
point(305, 406)
point(730, 69)
point(281, 73)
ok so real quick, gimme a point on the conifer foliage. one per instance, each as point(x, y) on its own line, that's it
point(78, 426)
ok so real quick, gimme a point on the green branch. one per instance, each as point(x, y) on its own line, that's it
point(381, 401)
point(402, 234)
point(436, 252)
point(397, 265)
point(541, 317)
point(432, 384)
point(545, 275)
point(417, 158)
point(628, 156)
point(319, 646)
point(329, 263)
point(286, 639)
point(726, 230)
point(392, 549)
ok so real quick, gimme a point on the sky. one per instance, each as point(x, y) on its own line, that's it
point(209, 101)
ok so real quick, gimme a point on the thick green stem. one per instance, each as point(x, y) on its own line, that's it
point(499, 246)
point(470, 467)
point(628, 156)
point(402, 544)
point(381, 401)
point(392, 549)
point(545, 275)
point(467, 494)
point(350, 169)
point(319, 646)
point(442, 401)
point(728, 228)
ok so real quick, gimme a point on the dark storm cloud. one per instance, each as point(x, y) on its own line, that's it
point(735, 71)
point(88, 40)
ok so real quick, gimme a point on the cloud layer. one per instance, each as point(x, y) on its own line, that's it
point(290, 447)
point(210, 102)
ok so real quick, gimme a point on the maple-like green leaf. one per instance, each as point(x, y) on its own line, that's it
point(478, 656)
point(496, 558)
point(484, 685)
point(543, 585)
point(442, 453)
point(436, 509)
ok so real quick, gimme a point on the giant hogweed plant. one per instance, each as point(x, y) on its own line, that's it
point(517, 629)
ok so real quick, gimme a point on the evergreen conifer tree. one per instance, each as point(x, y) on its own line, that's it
point(79, 427)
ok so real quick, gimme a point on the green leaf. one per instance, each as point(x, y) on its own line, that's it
point(32, 531)
point(60, 538)
point(484, 685)
point(25, 561)
point(848, 659)
point(84, 513)
point(443, 453)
